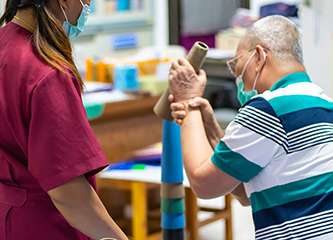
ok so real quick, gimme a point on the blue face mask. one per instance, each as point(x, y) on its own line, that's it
point(242, 96)
point(74, 31)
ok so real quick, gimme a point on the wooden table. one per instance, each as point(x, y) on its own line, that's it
point(130, 125)
point(139, 181)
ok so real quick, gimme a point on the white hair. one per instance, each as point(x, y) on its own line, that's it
point(279, 35)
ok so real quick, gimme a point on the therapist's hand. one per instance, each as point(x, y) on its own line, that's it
point(213, 130)
point(184, 83)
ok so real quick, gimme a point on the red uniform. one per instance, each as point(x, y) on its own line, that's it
point(45, 140)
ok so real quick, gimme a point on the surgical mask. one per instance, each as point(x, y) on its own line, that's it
point(74, 31)
point(242, 96)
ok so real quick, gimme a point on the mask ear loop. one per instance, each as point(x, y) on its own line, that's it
point(82, 3)
point(238, 79)
point(247, 63)
point(255, 80)
point(63, 11)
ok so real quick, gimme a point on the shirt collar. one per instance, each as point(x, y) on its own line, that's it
point(295, 77)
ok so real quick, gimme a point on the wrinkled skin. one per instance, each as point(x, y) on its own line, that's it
point(184, 83)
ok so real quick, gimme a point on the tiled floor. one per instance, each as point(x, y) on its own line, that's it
point(243, 228)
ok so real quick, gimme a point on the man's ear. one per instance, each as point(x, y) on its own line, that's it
point(260, 58)
point(63, 3)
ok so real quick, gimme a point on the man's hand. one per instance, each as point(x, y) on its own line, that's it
point(184, 83)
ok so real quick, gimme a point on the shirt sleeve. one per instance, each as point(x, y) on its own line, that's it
point(61, 143)
point(251, 142)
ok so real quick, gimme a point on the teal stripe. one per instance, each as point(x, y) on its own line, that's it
point(234, 164)
point(287, 104)
point(172, 206)
point(296, 77)
point(290, 192)
point(93, 109)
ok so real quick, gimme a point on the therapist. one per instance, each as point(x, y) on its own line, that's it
point(48, 151)
point(279, 146)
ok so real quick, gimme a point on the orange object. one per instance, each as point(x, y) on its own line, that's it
point(89, 72)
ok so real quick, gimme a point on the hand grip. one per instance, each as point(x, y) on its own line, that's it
point(196, 57)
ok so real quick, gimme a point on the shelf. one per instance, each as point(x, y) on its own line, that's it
point(106, 18)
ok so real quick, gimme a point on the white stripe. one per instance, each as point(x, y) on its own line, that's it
point(296, 226)
point(251, 114)
point(293, 167)
point(258, 122)
point(314, 231)
point(303, 88)
point(262, 114)
point(309, 133)
point(243, 140)
point(308, 128)
point(320, 140)
point(263, 132)
point(311, 138)
point(326, 237)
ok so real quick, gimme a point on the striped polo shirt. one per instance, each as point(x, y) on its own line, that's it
point(281, 145)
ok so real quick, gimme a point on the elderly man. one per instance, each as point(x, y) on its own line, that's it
point(278, 147)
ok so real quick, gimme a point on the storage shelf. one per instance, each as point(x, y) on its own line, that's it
point(101, 20)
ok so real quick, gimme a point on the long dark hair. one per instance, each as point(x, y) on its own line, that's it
point(49, 38)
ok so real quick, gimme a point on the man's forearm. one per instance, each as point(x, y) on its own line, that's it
point(195, 146)
point(81, 207)
point(197, 152)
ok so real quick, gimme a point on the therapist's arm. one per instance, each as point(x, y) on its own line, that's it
point(80, 205)
point(207, 180)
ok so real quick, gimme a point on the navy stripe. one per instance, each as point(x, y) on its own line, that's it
point(265, 132)
point(317, 233)
point(311, 230)
point(292, 210)
point(261, 104)
point(256, 115)
point(310, 128)
point(301, 230)
point(302, 118)
point(313, 140)
point(309, 133)
point(310, 145)
point(248, 119)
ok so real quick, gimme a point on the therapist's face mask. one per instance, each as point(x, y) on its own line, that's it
point(242, 96)
point(74, 31)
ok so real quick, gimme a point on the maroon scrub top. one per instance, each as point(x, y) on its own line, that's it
point(45, 140)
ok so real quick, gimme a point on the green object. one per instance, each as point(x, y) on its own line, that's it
point(93, 109)
point(139, 166)
point(172, 206)
point(307, 3)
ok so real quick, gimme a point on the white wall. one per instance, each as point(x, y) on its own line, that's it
point(161, 23)
point(317, 29)
point(2, 7)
